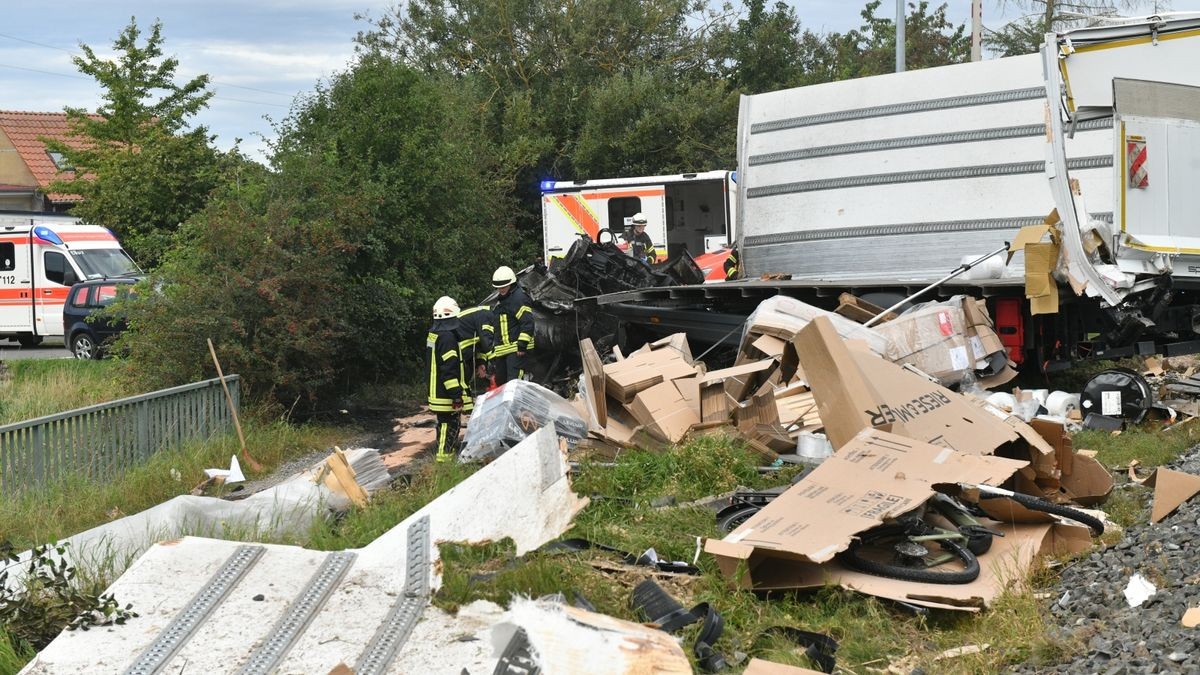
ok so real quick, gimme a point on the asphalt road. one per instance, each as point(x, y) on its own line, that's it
point(52, 348)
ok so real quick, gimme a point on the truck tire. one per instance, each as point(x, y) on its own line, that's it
point(29, 340)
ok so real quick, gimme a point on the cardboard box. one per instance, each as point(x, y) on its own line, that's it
point(663, 412)
point(873, 477)
point(642, 370)
point(856, 390)
point(722, 390)
point(1171, 490)
point(593, 372)
point(784, 317)
point(933, 339)
point(689, 388)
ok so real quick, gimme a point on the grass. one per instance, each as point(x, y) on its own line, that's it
point(33, 388)
point(1146, 443)
point(13, 657)
point(360, 526)
point(872, 632)
point(76, 504)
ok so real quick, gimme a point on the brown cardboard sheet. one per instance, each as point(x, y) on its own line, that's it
point(662, 411)
point(593, 370)
point(873, 477)
point(855, 390)
point(1006, 563)
point(1171, 489)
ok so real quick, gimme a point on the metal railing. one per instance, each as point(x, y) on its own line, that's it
point(100, 441)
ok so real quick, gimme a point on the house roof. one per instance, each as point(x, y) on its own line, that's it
point(24, 130)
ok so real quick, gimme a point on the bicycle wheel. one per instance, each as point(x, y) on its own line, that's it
point(876, 552)
point(729, 519)
point(1038, 504)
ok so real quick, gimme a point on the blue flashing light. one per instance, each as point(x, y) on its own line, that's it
point(547, 185)
point(733, 176)
point(45, 233)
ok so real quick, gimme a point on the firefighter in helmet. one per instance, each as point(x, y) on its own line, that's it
point(512, 336)
point(445, 376)
point(476, 327)
point(641, 246)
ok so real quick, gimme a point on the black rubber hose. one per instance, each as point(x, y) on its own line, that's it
point(1038, 504)
point(853, 557)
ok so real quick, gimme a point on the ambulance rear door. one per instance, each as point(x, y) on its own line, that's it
point(16, 288)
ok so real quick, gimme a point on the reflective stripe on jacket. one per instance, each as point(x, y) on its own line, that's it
point(514, 324)
point(445, 375)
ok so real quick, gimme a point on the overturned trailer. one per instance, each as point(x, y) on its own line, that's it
point(880, 185)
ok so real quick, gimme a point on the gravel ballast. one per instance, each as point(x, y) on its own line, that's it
point(1090, 605)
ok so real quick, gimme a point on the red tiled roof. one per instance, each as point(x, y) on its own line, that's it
point(24, 129)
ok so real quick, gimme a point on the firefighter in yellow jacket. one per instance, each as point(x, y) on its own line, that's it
point(512, 324)
point(445, 376)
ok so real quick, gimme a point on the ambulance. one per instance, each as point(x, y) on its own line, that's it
point(690, 211)
point(41, 257)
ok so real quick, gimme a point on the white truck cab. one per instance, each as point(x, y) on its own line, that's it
point(41, 257)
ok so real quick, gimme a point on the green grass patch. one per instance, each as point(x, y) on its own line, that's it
point(873, 633)
point(1147, 443)
point(360, 526)
point(34, 388)
point(70, 506)
point(13, 656)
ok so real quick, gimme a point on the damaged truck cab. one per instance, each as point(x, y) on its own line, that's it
point(1084, 157)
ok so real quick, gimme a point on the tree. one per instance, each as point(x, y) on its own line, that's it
point(765, 52)
point(930, 39)
point(319, 276)
point(536, 69)
point(138, 167)
point(1026, 34)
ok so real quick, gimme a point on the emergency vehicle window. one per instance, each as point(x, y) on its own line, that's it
point(105, 294)
point(56, 267)
point(621, 208)
point(8, 257)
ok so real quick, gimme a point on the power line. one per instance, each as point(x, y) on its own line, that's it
point(73, 54)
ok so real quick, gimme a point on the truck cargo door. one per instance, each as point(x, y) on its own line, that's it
point(16, 298)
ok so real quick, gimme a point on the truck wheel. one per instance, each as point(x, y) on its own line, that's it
point(84, 348)
point(29, 340)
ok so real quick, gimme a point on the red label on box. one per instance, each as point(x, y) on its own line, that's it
point(944, 323)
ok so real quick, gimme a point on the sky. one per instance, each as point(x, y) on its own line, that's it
point(260, 54)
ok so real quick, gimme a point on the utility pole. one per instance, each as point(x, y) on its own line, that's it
point(976, 30)
point(899, 36)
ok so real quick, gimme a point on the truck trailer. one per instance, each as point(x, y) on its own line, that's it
point(880, 185)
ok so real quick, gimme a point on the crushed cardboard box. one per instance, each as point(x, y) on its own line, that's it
point(784, 317)
point(931, 337)
point(874, 476)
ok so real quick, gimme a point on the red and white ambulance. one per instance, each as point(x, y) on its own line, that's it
point(41, 257)
point(689, 211)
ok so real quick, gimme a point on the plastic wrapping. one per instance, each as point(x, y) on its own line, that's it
point(783, 317)
point(932, 337)
point(504, 416)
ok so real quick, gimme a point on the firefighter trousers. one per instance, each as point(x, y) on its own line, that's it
point(448, 424)
point(509, 367)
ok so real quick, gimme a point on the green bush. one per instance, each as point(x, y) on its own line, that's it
point(319, 276)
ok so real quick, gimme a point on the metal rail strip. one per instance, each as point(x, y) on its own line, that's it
point(299, 614)
point(193, 614)
point(402, 618)
point(923, 175)
point(900, 229)
point(948, 138)
point(908, 107)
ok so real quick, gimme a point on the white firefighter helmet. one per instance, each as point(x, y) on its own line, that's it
point(639, 218)
point(504, 276)
point(445, 308)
